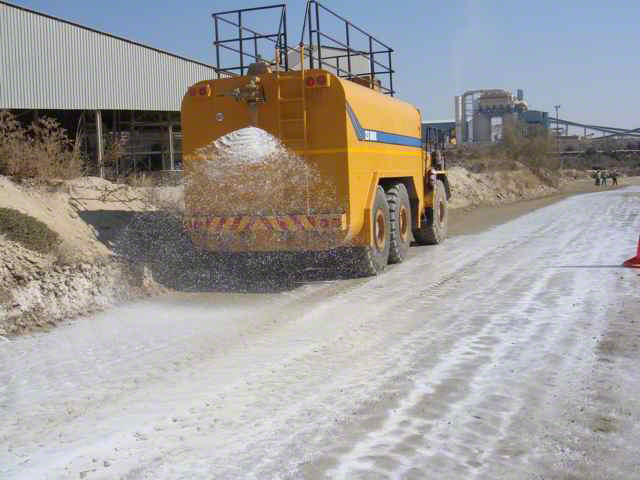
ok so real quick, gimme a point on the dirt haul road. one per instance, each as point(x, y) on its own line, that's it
point(512, 353)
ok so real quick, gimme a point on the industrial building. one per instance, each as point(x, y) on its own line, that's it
point(437, 134)
point(480, 114)
point(106, 90)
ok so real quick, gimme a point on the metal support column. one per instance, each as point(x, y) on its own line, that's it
point(371, 62)
point(348, 49)
point(132, 144)
point(310, 39)
point(285, 46)
point(171, 147)
point(390, 75)
point(241, 42)
point(215, 20)
point(100, 143)
point(318, 36)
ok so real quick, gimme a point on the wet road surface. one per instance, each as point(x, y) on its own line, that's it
point(511, 353)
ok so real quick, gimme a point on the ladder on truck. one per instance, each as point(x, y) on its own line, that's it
point(292, 107)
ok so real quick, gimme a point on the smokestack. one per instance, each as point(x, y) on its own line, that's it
point(459, 120)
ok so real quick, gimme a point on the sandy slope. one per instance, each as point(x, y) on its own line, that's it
point(508, 354)
point(80, 275)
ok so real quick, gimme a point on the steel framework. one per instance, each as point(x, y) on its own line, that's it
point(248, 44)
point(610, 131)
point(376, 48)
point(278, 39)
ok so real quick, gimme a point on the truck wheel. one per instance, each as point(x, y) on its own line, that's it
point(400, 220)
point(434, 230)
point(374, 258)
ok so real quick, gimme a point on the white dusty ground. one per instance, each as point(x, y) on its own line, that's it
point(512, 354)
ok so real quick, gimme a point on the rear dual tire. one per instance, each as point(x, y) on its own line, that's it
point(373, 258)
point(391, 224)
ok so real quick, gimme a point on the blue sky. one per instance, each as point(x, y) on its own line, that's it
point(580, 54)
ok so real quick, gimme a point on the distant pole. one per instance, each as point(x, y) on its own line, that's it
point(557, 107)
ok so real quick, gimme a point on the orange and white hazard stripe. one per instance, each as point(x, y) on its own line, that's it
point(279, 223)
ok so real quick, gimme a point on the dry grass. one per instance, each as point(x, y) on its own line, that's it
point(41, 150)
point(114, 151)
point(28, 231)
point(142, 179)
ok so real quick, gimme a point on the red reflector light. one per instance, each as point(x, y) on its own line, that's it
point(321, 80)
point(310, 82)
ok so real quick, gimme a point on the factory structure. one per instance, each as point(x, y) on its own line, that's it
point(105, 90)
point(481, 114)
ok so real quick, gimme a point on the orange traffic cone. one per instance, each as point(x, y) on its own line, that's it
point(635, 261)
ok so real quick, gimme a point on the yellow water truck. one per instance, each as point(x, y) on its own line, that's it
point(366, 144)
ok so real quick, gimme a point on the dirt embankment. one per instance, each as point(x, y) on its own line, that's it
point(38, 291)
point(81, 273)
point(501, 186)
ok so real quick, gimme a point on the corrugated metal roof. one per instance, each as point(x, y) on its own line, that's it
point(49, 63)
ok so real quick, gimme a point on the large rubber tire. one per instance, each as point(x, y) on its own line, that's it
point(434, 230)
point(400, 220)
point(374, 258)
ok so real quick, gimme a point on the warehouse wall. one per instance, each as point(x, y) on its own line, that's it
point(47, 63)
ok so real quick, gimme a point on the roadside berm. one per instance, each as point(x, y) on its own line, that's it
point(77, 272)
point(118, 242)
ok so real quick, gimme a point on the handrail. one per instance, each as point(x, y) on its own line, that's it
point(312, 16)
point(377, 56)
point(247, 34)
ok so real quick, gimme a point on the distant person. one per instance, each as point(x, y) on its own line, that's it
point(597, 177)
point(604, 179)
point(614, 178)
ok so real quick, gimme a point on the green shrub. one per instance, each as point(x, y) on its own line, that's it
point(528, 145)
point(28, 231)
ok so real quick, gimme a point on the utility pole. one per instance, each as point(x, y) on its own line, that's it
point(557, 107)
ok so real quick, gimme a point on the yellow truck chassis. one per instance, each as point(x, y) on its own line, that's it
point(365, 144)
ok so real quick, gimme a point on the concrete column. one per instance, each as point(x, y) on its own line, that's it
point(100, 143)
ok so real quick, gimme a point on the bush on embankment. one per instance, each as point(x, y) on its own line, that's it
point(28, 231)
point(39, 150)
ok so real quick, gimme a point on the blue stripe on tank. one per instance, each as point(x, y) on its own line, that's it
point(378, 136)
